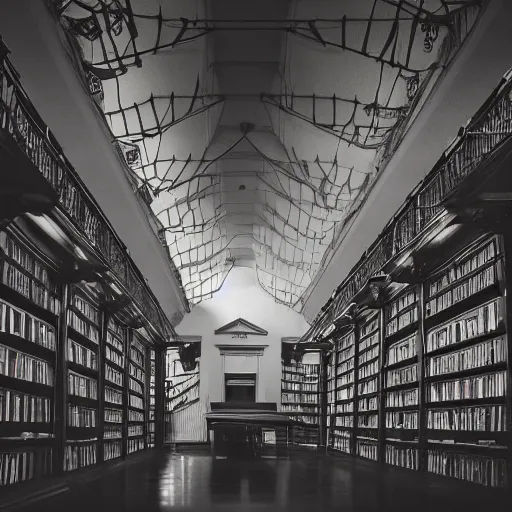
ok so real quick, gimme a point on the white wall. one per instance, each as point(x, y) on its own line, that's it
point(241, 297)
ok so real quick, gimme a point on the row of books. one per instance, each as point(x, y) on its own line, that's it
point(345, 393)
point(113, 415)
point(476, 322)
point(18, 365)
point(135, 430)
point(369, 327)
point(136, 402)
point(403, 301)
point(20, 323)
point(80, 455)
point(367, 449)
point(20, 407)
point(347, 378)
point(469, 287)
point(84, 328)
point(79, 416)
point(114, 342)
point(136, 356)
point(368, 355)
point(81, 355)
point(369, 370)
point(401, 376)
point(27, 286)
point(112, 450)
point(114, 356)
point(485, 418)
point(370, 341)
point(308, 409)
point(81, 386)
point(303, 368)
point(402, 420)
point(368, 386)
point(25, 258)
point(87, 309)
point(344, 421)
point(309, 398)
point(368, 420)
point(299, 377)
point(486, 353)
point(368, 404)
point(462, 269)
point(290, 386)
point(111, 432)
point(472, 468)
point(402, 398)
point(341, 441)
point(135, 415)
point(401, 456)
point(345, 408)
point(23, 465)
point(346, 354)
point(402, 321)
point(135, 386)
point(113, 396)
point(345, 341)
point(470, 388)
point(114, 376)
point(136, 372)
point(345, 366)
point(402, 350)
point(135, 444)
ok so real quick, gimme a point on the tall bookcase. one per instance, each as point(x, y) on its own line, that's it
point(343, 383)
point(113, 396)
point(422, 382)
point(137, 389)
point(30, 305)
point(402, 343)
point(466, 367)
point(300, 397)
point(368, 386)
point(83, 340)
point(73, 380)
point(152, 399)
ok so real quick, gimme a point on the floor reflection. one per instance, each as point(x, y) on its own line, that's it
point(168, 482)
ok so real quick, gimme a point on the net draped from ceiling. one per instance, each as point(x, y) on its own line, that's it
point(352, 77)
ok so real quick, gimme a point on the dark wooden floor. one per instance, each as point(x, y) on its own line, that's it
point(306, 482)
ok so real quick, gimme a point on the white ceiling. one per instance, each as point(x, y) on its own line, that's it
point(242, 175)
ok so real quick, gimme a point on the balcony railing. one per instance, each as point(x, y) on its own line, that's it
point(21, 121)
point(485, 132)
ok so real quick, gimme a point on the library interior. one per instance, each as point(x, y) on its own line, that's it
point(255, 254)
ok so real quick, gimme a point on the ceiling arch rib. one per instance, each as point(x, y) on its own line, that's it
point(258, 127)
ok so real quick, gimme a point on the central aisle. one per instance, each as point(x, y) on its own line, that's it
point(165, 481)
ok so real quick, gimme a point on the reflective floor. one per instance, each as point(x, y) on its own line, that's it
point(168, 481)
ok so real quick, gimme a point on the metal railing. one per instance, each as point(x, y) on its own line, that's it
point(484, 133)
point(20, 120)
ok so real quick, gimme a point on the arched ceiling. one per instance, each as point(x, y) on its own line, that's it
point(255, 127)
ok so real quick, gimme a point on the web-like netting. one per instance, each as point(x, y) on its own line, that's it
point(351, 86)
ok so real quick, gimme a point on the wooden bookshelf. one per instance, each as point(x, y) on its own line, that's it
point(73, 375)
point(368, 386)
point(300, 399)
point(429, 389)
point(401, 378)
point(344, 378)
point(152, 420)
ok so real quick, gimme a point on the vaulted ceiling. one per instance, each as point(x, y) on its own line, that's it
point(255, 128)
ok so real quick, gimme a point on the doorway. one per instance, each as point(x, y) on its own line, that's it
point(240, 387)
